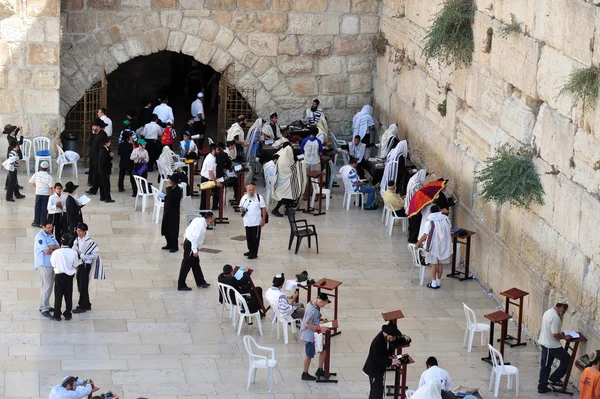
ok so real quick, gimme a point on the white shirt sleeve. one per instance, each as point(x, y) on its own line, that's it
point(448, 385)
point(422, 379)
point(262, 204)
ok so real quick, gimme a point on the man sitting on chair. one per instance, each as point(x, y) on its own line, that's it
point(240, 281)
point(286, 306)
point(393, 199)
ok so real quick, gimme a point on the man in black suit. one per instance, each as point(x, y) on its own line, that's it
point(96, 145)
point(381, 358)
point(104, 169)
point(73, 209)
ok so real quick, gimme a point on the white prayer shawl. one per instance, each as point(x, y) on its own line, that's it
point(268, 132)
point(388, 173)
point(270, 171)
point(235, 130)
point(86, 246)
point(431, 390)
point(362, 121)
point(386, 140)
point(414, 184)
point(290, 180)
point(323, 135)
point(441, 242)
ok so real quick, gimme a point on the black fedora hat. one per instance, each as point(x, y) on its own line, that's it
point(70, 187)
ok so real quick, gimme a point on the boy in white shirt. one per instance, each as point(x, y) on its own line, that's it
point(434, 373)
point(56, 209)
point(42, 182)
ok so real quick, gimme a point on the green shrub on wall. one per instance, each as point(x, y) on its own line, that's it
point(583, 86)
point(511, 176)
point(450, 39)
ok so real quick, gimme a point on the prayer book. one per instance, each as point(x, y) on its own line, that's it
point(237, 167)
point(84, 199)
point(329, 324)
point(161, 195)
point(239, 274)
point(291, 285)
point(220, 180)
point(301, 156)
point(572, 334)
point(269, 142)
point(231, 174)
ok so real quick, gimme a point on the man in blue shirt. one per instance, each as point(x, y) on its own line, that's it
point(361, 187)
point(44, 245)
point(312, 150)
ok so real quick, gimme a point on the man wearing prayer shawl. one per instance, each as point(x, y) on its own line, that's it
point(363, 124)
point(395, 171)
point(388, 141)
point(236, 131)
point(290, 180)
point(91, 266)
point(323, 135)
point(414, 223)
point(438, 244)
point(271, 130)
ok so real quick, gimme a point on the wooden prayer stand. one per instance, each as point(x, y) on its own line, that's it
point(241, 183)
point(501, 317)
point(455, 241)
point(515, 294)
point(399, 380)
point(318, 177)
point(193, 167)
point(208, 194)
point(328, 285)
point(392, 317)
point(327, 363)
point(572, 351)
point(259, 297)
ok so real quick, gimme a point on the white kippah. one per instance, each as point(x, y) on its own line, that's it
point(200, 95)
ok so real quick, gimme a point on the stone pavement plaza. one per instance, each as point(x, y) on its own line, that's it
point(144, 338)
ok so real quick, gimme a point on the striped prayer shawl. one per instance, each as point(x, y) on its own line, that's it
point(97, 268)
point(298, 179)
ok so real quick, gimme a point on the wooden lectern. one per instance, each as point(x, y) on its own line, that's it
point(258, 297)
point(502, 318)
point(455, 241)
point(572, 351)
point(315, 177)
point(327, 363)
point(515, 294)
point(208, 193)
point(328, 285)
point(393, 317)
point(399, 380)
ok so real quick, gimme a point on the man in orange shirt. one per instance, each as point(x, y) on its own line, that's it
point(589, 384)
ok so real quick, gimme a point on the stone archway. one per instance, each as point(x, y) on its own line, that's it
point(203, 39)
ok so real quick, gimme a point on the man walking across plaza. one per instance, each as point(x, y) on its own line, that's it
point(89, 256)
point(42, 183)
point(254, 211)
point(550, 336)
point(104, 170)
point(194, 234)
point(64, 261)
point(44, 245)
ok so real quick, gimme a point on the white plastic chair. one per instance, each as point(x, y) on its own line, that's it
point(143, 190)
point(336, 145)
point(243, 313)
point(164, 171)
point(61, 155)
point(26, 151)
point(41, 144)
point(392, 217)
point(384, 216)
point(349, 193)
point(225, 291)
point(259, 362)
point(183, 187)
point(158, 204)
point(416, 257)
point(326, 191)
point(473, 327)
point(284, 321)
point(500, 369)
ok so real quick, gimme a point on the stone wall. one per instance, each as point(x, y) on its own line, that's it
point(509, 95)
point(29, 65)
point(290, 51)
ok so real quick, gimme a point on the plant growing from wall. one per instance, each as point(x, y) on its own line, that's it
point(488, 41)
point(511, 176)
point(450, 39)
point(441, 107)
point(583, 86)
point(380, 43)
point(507, 29)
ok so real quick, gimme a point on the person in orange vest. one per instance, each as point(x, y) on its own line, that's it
point(168, 135)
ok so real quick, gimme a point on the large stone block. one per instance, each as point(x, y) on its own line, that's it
point(41, 101)
point(422, 12)
point(586, 159)
point(319, 46)
point(301, 24)
point(190, 45)
point(220, 4)
point(554, 138)
point(3, 77)
point(327, 24)
point(355, 44)
point(342, 6)
point(52, 30)
point(516, 60)
point(120, 52)
point(360, 63)
point(331, 65)
point(518, 120)
point(474, 134)
point(270, 78)
point(81, 22)
point(588, 238)
point(43, 8)
point(190, 26)
point(369, 23)
point(11, 101)
point(293, 66)
point(9, 7)
point(271, 22)
point(171, 19)
point(359, 6)
point(567, 208)
point(289, 46)
point(523, 10)
point(175, 41)
point(350, 25)
point(48, 79)
point(223, 39)
point(35, 32)
point(361, 83)
point(243, 22)
point(220, 60)
point(311, 6)
point(136, 5)
point(103, 4)
point(211, 31)
point(281, 5)
point(264, 44)
point(20, 78)
point(4, 53)
point(333, 84)
point(222, 17)
point(303, 86)
point(162, 4)
point(44, 54)
point(14, 29)
point(136, 47)
point(205, 52)
point(71, 5)
point(252, 4)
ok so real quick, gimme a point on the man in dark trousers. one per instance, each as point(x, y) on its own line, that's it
point(194, 234)
point(64, 261)
point(170, 222)
point(254, 211)
point(125, 161)
point(104, 169)
point(96, 145)
point(73, 209)
point(89, 254)
point(380, 359)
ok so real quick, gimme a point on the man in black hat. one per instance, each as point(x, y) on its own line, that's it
point(11, 132)
point(381, 358)
point(170, 222)
point(104, 169)
point(73, 209)
point(97, 140)
point(311, 324)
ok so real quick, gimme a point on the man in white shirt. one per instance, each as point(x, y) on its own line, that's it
point(89, 254)
point(314, 113)
point(164, 112)
point(270, 172)
point(42, 182)
point(549, 340)
point(286, 306)
point(198, 114)
point(254, 211)
point(209, 173)
point(64, 261)
point(312, 150)
point(73, 388)
point(109, 125)
point(56, 210)
point(194, 234)
point(434, 373)
point(152, 133)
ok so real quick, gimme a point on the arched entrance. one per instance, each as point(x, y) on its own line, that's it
point(178, 77)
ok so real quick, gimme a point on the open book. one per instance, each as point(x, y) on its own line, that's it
point(573, 334)
point(84, 199)
point(328, 324)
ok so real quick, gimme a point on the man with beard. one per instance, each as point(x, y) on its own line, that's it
point(314, 113)
point(271, 130)
point(97, 141)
